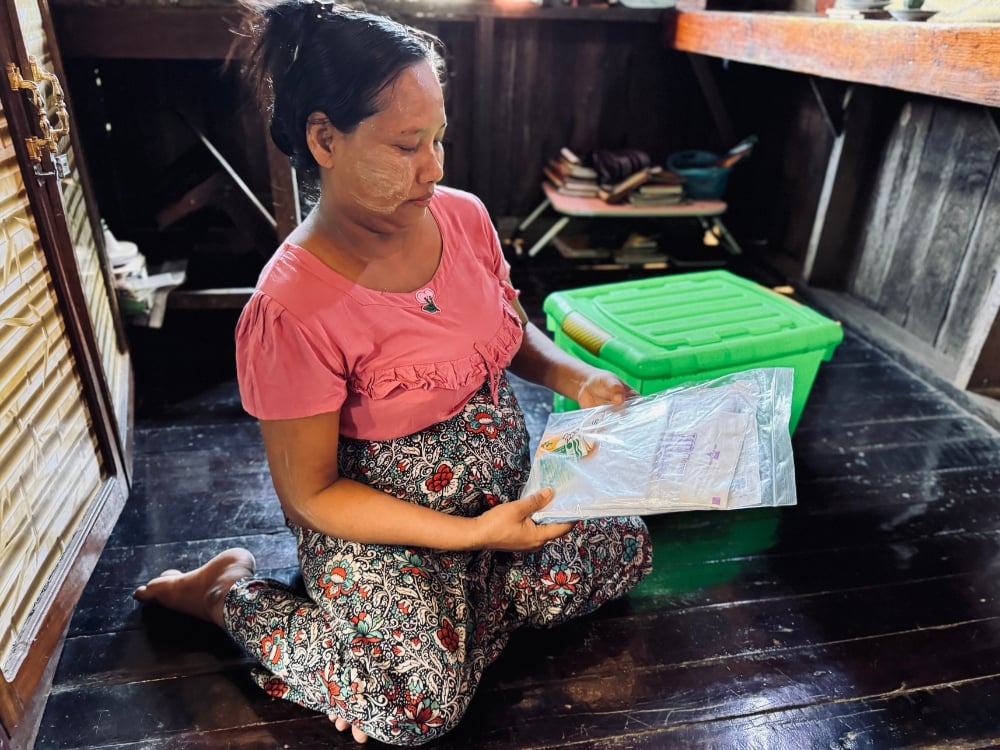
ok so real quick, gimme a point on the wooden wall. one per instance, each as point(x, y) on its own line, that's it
point(929, 254)
point(520, 87)
point(586, 85)
point(891, 198)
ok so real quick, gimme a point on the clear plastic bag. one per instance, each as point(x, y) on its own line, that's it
point(719, 444)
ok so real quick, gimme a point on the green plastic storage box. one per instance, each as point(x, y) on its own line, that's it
point(660, 332)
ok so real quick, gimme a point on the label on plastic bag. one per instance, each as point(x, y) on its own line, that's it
point(694, 468)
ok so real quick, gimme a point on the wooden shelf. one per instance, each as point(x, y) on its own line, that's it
point(954, 61)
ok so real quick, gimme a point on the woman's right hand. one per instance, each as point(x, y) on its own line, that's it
point(508, 527)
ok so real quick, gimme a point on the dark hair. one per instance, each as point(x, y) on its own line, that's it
point(310, 57)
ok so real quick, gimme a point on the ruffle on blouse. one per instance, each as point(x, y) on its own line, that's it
point(488, 361)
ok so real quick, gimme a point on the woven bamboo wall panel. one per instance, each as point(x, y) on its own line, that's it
point(89, 262)
point(49, 467)
point(29, 17)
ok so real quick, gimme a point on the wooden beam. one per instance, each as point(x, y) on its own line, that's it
point(714, 99)
point(954, 61)
point(226, 298)
point(482, 114)
point(142, 32)
point(185, 32)
point(284, 190)
point(833, 241)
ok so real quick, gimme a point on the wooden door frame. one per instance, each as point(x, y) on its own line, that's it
point(97, 230)
point(86, 184)
point(23, 698)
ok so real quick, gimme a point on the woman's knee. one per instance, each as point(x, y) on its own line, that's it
point(424, 711)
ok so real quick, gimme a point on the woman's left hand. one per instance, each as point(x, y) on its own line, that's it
point(602, 387)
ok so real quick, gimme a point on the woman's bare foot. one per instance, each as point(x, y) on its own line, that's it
point(343, 724)
point(202, 591)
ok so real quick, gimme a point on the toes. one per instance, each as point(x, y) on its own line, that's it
point(342, 724)
point(142, 592)
point(339, 723)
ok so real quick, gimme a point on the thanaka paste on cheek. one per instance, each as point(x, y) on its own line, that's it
point(383, 180)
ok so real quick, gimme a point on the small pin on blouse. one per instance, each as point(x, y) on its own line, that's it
point(426, 299)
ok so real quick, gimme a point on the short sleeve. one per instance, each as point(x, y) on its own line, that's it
point(282, 372)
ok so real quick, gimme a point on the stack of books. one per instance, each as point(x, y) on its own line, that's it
point(650, 186)
point(653, 186)
point(663, 188)
point(620, 192)
point(639, 249)
point(654, 194)
point(570, 176)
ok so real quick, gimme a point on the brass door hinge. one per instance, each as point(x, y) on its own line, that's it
point(48, 139)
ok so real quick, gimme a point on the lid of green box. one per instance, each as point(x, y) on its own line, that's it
point(684, 323)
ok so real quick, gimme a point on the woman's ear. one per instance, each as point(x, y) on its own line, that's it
point(321, 137)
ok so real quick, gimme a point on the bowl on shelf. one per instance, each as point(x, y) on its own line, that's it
point(704, 179)
point(861, 4)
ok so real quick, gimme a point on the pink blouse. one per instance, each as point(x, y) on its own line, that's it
point(310, 341)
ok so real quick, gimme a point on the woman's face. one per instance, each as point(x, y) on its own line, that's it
point(392, 161)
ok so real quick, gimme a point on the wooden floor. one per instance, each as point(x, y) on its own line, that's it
point(868, 616)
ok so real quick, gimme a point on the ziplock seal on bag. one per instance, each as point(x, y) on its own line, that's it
point(720, 444)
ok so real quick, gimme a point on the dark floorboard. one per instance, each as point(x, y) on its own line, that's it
point(867, 616)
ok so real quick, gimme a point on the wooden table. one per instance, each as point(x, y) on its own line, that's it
point(706, 211)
